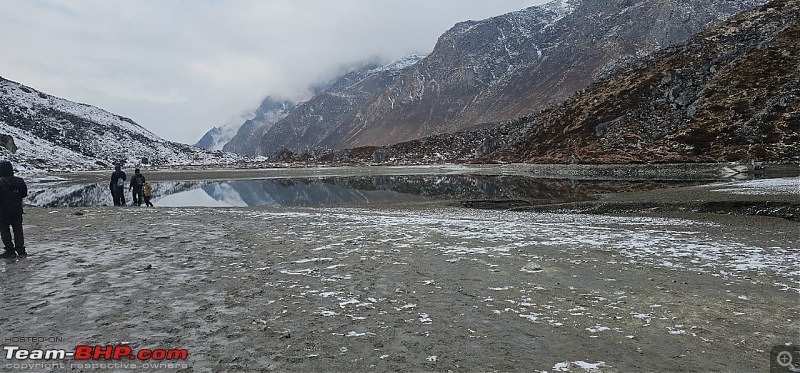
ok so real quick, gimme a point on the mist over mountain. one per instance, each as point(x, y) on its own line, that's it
point(309, 122)
point(569, 81)
point(248, 137)
point(730, 93)
point(217, 137)
point(515, 64)
point(483, 72)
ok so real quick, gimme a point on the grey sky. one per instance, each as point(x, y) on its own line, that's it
point(180, 67)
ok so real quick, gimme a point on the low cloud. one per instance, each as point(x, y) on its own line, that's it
point(179, 68)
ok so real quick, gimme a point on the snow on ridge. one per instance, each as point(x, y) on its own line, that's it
point(54, 133)
point(218, 137)
point(35, 98)
point(560, 7)
point(399, 64)
point(529, 22)
point(552, 12)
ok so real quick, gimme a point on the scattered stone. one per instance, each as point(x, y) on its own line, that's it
point(532, 267)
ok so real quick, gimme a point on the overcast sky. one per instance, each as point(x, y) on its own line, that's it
point(181, 67)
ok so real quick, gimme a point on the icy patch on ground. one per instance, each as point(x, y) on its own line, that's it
point(785, 186)
point(478, 235)
point(588, 367)
point(531, 242)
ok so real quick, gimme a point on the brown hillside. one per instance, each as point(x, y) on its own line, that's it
point(730, 93)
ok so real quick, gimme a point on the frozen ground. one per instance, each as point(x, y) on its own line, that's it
point(411, 288)
point(785, 186)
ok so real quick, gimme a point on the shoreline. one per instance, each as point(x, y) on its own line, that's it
point(665, 172)
point(409, 288)
point(706, 196)
point(419, 286)
point(698, 199)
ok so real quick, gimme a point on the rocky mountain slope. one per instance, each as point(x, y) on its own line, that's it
point(306, 125)
point(248, 137)
point(731, 92)
point(243, 135)
point(515, 64)
point(40, 131)
point(217, 137)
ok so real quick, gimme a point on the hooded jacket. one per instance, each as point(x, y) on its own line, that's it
point(12, 190)
point(117, 174)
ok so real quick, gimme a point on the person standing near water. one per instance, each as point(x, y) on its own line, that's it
point(147, 193)
point(12, 190)
point(117, 186)
point(137, 183)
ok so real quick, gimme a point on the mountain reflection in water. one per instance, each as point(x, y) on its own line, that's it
point(342, 191)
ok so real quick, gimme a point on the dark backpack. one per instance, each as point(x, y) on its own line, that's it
point(138, 180)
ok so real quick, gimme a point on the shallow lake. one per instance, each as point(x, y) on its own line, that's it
point(343, 191)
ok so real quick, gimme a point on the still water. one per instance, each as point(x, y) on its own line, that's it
point(341, 191)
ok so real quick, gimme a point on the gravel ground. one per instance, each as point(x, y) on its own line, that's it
point(426, 287)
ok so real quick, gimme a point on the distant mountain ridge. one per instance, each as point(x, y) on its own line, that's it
point(729, 93)
point(41, 131)
point(248, 137)
point(503, 71)
point(217, 137)
point(243, 134)
point(309, 122)
point(488, 71)
point(515, 64)
point(732, 92)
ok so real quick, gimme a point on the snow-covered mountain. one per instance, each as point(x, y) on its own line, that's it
point(41, 131)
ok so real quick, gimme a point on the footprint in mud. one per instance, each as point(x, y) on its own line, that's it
point(39, 305)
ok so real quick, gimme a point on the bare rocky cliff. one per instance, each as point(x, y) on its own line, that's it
point(731, 93)
point(516, 64)
point(248, 138)
point(307, 124)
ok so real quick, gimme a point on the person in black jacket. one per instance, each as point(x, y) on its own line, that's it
point(117, 186)
point(12, 190)
point(137, 183)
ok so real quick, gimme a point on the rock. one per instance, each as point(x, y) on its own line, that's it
point(532, 267)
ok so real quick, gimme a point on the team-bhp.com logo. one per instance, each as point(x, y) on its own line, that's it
point(784, 359)
point(88, 356)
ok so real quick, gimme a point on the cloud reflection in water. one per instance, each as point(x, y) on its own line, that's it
point(341, 191)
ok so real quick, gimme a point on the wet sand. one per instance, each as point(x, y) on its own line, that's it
point(417, 287)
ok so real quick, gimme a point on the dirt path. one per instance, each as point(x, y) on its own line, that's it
point(411, 288)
